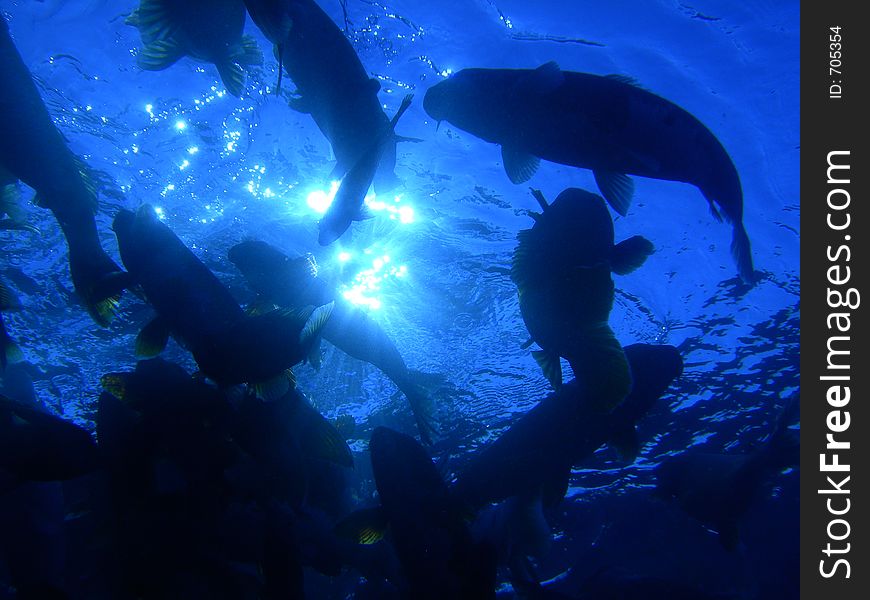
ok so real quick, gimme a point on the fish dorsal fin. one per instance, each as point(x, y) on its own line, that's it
point(630, 254)
point(315, 323)
point(545, 79)
point(626, 79)
point(160, 54)
point(617, 189)
point(550, 365)
point(522, 263)
point(624, 440)
point(518, 164)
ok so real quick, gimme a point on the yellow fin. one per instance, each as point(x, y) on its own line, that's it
point(365, 526)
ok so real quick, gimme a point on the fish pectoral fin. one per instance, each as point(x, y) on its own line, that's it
point(259, 307)
point(626, 79)
point(521, 263)
point(599, 361)
point(630, 254)
point(152, 20)
point(372, 86)
point(539, 196)
point(364, 214)
point(365, 526)
point(273, 389)
point(8, 299)
point(249, 52)
point(232, 76)
point(153, 338)
point(9, 350)
point(315, 355)
point(116, 384)
point(550, 365)
point(624, 440)
point(315, 323)
point(301, 105)
point(320, 439)
point(617, 189)
point(527, 344)
point(160, 54)
point(518, 164)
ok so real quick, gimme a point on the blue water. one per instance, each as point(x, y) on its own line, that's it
point(222, 170)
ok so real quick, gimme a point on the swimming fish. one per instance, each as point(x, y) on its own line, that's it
point(427, 529)
point(193, 305)
point(562, 268)
point(604, 123)
point(535, 455)
point(718, 489)
point(348, 204)
point(34, 151)
point(206, 30)
point(332, 84)
point(38, 446)
point(295, 282)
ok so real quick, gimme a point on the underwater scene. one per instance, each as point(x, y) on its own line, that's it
point(304, 299)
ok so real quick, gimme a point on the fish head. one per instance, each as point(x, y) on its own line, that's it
point(460, 93)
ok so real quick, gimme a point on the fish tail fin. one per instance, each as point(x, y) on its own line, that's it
point(628, 255)
point(232, 76)
point(599, 361)
point(421, 408)
point(742, 253)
